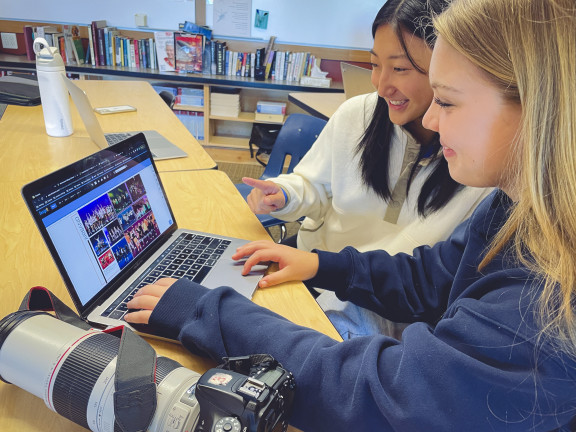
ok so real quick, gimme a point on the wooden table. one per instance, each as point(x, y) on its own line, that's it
point(322, 105)
point(204, 200)
point(27, 152)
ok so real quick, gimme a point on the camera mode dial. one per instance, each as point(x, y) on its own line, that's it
point(227, 424)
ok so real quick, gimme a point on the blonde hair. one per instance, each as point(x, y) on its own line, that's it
point(527, 48)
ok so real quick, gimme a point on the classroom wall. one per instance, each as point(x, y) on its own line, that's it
point(162, 14)
point(334, 23)
point(331, 23)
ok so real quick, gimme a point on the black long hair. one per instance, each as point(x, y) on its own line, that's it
point(412, 16)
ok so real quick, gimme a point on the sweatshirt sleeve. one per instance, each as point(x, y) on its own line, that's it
point(437, 379)
point(401, 288)
point(309, 186)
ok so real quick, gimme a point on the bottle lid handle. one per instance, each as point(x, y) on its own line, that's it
point(41, 46)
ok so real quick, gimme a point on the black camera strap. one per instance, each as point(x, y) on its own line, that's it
point(135, 386)
point(247, 365)
point(41, 299)
point(135, 395)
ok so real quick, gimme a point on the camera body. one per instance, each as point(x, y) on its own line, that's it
point(234, 402)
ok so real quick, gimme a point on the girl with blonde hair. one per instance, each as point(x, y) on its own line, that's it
point(492, 345)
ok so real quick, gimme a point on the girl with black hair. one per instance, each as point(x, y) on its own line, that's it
point(375, 178)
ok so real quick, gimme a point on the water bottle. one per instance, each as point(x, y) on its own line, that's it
point(53, 92)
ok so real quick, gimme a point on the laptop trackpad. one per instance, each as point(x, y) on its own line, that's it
point(229, 273)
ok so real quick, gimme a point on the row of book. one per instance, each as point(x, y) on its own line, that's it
point(111, 48)
point(189, 97)
point(167, 51)
point(72, 47)
point(105, 46)
point(283, 65)
point(194, 122)
point(224, 102)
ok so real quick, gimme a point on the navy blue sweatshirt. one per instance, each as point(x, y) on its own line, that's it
point(471, 360)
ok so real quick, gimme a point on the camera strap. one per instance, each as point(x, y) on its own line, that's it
point(135, 385)
point(248, 365)
point(41, 299)
point(135, 395)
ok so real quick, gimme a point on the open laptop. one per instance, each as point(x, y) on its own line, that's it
point(109, 227)
point(160, 146)
point(356, 80)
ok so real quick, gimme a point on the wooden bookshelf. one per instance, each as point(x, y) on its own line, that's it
point(235, 130)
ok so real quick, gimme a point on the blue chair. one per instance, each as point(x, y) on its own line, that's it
point(295, 138)
point(168, 97)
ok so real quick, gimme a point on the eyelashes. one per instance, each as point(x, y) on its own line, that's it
point(441, 104)
point(395, 69)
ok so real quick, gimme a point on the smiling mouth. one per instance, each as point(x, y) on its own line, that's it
point(447, 151)
point(398, 102)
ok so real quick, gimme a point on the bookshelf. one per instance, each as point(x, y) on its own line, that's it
point(219, 131)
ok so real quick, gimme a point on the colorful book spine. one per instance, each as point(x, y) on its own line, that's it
point(29, 42)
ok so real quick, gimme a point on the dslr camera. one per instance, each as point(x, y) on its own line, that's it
point(76, 372)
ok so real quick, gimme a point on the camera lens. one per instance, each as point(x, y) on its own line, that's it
point(73, 371)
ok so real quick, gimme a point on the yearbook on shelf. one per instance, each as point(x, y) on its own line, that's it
point(165, 51)
point(189, 49)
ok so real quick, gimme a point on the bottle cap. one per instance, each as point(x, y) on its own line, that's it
point(47, 58)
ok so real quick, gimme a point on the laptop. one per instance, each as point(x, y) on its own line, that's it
point(160, 146)
point(110, 229)
point(356, 80)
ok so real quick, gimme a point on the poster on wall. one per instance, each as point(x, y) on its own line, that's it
point(232, 18)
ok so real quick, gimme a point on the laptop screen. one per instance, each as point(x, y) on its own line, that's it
point(100, 215)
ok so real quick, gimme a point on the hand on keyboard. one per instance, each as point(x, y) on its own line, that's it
point(146, 299)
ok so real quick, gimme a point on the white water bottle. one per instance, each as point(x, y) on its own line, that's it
point(53, 92)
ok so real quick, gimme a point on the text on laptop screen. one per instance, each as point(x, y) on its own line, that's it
point(104, 214)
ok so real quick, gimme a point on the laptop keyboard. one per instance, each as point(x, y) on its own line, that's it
point(190, 256)
point(115, 138)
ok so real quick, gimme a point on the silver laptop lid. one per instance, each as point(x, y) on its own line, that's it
point(88, 211)
point(86, 112)
point(356, 80)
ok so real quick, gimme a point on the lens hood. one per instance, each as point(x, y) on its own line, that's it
point(13, 320)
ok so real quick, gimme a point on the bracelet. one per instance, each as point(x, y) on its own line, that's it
point(285, 195)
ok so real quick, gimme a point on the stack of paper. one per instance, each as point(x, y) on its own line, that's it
point(225, 102)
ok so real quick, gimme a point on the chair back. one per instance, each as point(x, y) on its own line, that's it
point(168, 97)
point(295, 138)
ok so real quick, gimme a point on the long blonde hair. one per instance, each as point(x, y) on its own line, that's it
point(527, 48)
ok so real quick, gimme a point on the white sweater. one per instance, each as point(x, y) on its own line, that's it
point(326, 187)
